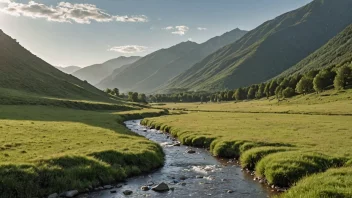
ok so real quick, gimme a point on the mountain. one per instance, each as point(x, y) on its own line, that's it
point(21, 70)
point(95, 73)
point(269, 49)
point(69, 69)
point(156, 69)
point(337, 51)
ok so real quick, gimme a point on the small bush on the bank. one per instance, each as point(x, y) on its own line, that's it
point(349, 163)
point(250, 158)
point(228, 149)
point(335, 183)
point(286, 168)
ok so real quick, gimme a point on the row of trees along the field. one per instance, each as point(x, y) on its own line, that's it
point(313, 81)
point(132, 96)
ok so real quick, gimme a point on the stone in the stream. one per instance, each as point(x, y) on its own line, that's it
point(127, 192)
point(150, 183)
point(199, 177)
point(183, 183)
point(161, 187)
point(177, 144)
point(108, 187)
point(71, 193)
point(182, 177)
point(101, 188)
point(119, 186)
point(54, 195)
point(145, 188)
point(113, 191)
point(229, 191)
point(191, 151)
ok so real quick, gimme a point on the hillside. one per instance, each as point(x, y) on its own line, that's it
point(159, 67)
point(22, 71)
point(337, 51)
point(269, 49)
point(69, 69)
point(95, 73)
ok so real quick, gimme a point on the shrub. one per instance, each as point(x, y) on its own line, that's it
point(333, 183)
point(285, 169)
point(250, 158)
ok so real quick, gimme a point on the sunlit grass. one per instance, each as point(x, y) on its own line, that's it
point(73, 148)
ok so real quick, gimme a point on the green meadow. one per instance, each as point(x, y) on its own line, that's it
point(47, 149)
point(282, 141)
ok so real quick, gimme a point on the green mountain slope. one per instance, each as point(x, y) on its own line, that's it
point(95, 73)
point(159, 67)
point(270, 48)
point(337, 51)
point(22, 71)
point(69, 69)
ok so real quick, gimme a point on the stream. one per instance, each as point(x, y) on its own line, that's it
point(191, 175)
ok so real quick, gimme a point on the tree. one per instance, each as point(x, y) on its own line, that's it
point(142, 98)
point(116, 92)
point(108, 91)
point(260, 92)
point(266, 90)
point(133, 96)
point(285, 83)
point(251, 93)
point(288, 92)
point(272, 87)
point(342, 74)
point(240, 94)
point(323, 79)
point(305, 85)
point(278, 91)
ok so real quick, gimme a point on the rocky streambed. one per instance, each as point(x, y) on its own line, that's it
point(188, 172)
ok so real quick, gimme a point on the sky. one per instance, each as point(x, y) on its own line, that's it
point(86, 32)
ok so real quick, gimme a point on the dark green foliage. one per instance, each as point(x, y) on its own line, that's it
point(288, 92)
point(272, 87)
point(108, 91)
point(323, 79)
point(240, 94)
point(260, 92)
point(305, 85)
point(116, 91)
point(271, 48)
point(251, 93)
point(342, 77)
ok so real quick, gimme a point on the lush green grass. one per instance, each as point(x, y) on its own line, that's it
point(326, 103)
point(50, 149)
point(334, 183)
point(282, 141)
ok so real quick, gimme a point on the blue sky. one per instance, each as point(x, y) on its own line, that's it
point(85, 32)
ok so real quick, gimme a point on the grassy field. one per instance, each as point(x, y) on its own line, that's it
point(282, 142)
point(50, 149)
point(326, 103)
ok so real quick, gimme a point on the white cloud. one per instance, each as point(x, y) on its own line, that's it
point(179, 30)
point(66, 12)
point(201, 28)
point(128, 49)
point(169, 28)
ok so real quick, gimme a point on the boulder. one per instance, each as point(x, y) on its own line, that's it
point(191, 151)
point(54, 195)
point(71, 193)
point(119, 186)
point(145, 188)
point(113, 191)
point(127, 192)
point(108, 187)
point(161, 187)
point(177, 144)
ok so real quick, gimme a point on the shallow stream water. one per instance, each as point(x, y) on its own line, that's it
point(203, 174)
